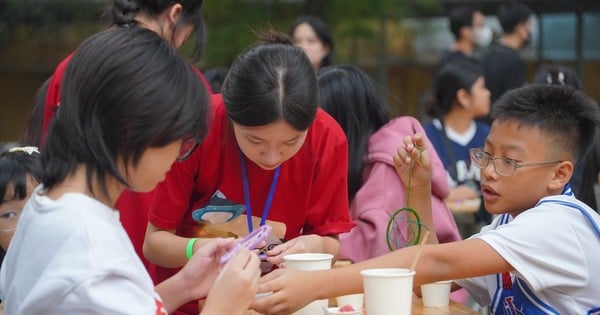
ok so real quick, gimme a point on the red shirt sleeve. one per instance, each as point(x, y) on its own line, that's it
point(328, 208)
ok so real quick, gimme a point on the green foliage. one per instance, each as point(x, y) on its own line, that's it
point(355, 24)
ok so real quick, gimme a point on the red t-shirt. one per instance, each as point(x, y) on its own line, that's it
point(311, 196)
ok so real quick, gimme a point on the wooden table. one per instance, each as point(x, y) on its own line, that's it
point(418, 309)
point(454, 308)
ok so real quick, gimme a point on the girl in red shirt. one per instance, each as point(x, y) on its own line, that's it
point(271, 149)
point(175, 21)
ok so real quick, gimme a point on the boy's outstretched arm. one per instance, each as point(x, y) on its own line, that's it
point(292, 289)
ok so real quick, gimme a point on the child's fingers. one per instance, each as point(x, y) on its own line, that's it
point(419, 141)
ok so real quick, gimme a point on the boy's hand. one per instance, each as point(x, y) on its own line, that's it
point(285, 292)
point(414, 148)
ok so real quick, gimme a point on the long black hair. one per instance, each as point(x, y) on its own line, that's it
point(321, 30)
point(454, 76)
point(591, 168)
point(125, 90)
point(350, 96)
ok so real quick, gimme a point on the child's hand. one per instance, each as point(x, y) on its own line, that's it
point(202, 269)
point(235, 287)
point(285, 291)
point(414, 148)
point(310, 243)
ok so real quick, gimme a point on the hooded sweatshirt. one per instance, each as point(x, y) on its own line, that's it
point(382, 193)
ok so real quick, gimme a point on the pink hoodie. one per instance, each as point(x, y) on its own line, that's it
point(383, 193)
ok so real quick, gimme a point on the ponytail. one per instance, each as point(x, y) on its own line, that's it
point(121, 13)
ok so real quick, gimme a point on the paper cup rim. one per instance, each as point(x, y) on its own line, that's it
point(307, 257)
point(439, 282)
point(387, 272)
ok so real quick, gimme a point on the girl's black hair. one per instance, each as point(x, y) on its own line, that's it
point(123, 12)
point(32, 134)
point(455, 75)
point(321, 30)
point(350, 96)
point(591, 168)
point(272, 81)
point(15, 167)
point(125, 90)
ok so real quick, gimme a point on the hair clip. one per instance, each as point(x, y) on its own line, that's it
point(560, 78)
point(28, 150)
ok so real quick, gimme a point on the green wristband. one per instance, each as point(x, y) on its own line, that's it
point(189, 249)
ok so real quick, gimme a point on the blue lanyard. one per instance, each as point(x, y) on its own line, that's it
point(247, 195)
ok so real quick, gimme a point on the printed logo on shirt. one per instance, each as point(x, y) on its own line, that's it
point(506, 281)
point(510, 308)
point(160, 307)
point(465, 172)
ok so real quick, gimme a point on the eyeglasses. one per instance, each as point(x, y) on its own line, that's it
point(188, 145)
point(9, 219)
point(502, 166)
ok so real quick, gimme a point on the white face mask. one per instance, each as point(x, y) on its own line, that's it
point(482, 36)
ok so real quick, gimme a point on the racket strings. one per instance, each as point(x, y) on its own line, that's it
point(405, 227)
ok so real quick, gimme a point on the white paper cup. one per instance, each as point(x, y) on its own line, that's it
point(388, 291)
point(436, 294)
point(308, 262)
point(355, 300)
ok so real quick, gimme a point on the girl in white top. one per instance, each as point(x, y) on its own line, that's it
point(130, 107)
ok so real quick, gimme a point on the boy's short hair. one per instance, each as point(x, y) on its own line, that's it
point(460, 17)
point(513, 14)
point(561, 112)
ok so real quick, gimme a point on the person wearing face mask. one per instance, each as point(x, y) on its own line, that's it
point(467, 24)
point(503, 68)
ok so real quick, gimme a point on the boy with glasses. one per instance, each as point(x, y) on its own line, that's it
point(541, 252)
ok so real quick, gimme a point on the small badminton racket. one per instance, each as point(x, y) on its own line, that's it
point(404, 227)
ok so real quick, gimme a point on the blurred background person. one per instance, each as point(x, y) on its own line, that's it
point(557, 74)
point(312, 34)
point(503, 67)
point(461, 96)
point(467, 25)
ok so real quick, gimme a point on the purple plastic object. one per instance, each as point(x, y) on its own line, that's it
point(250, 241)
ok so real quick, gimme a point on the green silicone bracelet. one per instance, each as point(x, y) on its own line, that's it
point(189, 249)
